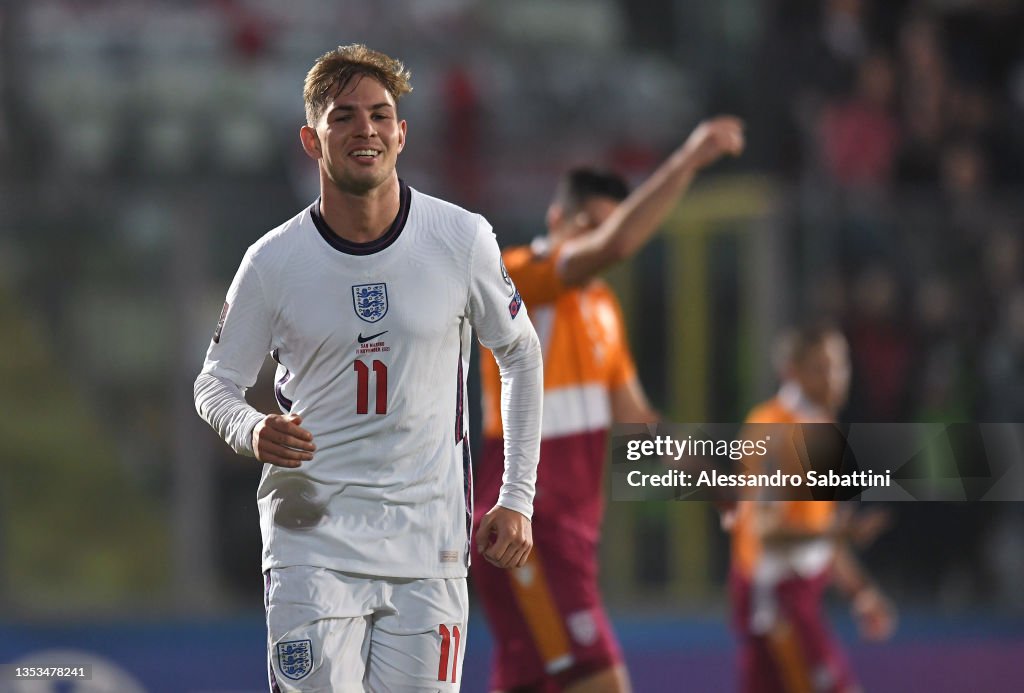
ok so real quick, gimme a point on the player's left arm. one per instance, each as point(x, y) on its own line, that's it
point(872, 610)
point(496, 312)
point(505, 537)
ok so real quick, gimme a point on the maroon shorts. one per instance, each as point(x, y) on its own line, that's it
point(549, 627)
point(799, 653)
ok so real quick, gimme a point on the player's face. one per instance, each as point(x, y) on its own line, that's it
point(824, 373)
point(592, 213)
point(595, 211)
point(359, 136)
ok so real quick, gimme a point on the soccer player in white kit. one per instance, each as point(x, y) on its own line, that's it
point(366, 300)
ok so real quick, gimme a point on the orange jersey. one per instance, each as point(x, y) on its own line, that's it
point(586, 357)
point(809, 516)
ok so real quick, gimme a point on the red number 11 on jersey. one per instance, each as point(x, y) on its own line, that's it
point(380, 372)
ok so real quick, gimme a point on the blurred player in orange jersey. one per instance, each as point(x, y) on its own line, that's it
point(551, 631)
point(785, 553)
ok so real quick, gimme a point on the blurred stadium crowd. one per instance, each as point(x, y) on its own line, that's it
point(905, 136)
point(901, 128)
point(143, 144)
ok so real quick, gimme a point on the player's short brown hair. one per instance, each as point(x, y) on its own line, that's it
point(579, 184)
point(796, 343)
point(336, 68)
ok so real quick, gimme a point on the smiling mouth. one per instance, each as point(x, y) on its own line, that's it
point(365, 154)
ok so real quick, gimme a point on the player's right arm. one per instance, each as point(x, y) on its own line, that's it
point(233, 360)
point(635, 221)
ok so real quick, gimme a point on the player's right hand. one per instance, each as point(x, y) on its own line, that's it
point(282, 441)
point(713, 139)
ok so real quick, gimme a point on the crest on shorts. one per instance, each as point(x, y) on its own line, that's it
point(295, 658)
point(583, 627)
point(370, 301)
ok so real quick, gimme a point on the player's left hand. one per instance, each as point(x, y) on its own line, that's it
point(874, 614)
point(505, 537)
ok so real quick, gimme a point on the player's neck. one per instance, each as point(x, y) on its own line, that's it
point(360, 218)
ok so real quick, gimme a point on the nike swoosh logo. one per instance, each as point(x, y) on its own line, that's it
point(364, 340)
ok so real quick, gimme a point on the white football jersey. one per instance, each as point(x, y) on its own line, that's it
point(373, 344)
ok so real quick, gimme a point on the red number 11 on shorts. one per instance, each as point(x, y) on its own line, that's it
point(448, 652)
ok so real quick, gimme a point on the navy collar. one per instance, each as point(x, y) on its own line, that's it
point(371, 247)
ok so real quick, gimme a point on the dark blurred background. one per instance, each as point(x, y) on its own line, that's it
point(144, 145)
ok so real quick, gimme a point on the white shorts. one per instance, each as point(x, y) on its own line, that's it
point(339, 632)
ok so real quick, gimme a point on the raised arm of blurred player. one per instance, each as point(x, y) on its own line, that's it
point(641, 214)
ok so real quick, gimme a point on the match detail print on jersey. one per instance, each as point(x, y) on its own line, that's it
point(224, 316)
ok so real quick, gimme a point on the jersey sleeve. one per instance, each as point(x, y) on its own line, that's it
point(497, 312)
point(236, 353)
point(496, 308)
point(536, 276)
point(242, 339)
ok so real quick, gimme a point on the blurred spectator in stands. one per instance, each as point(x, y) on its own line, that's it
point(1003, 546)
point(843, 31)
point(941, 389)
point(923, 88)
point(1003, 259)
point(828, 295)
point(882, 348)
point(1003, 364)
point(461, 135)
point(966, 191)
point(250, 32)
point(859, 135)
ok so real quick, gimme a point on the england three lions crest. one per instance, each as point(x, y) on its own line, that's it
point(295, 658)
point(370, 301)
